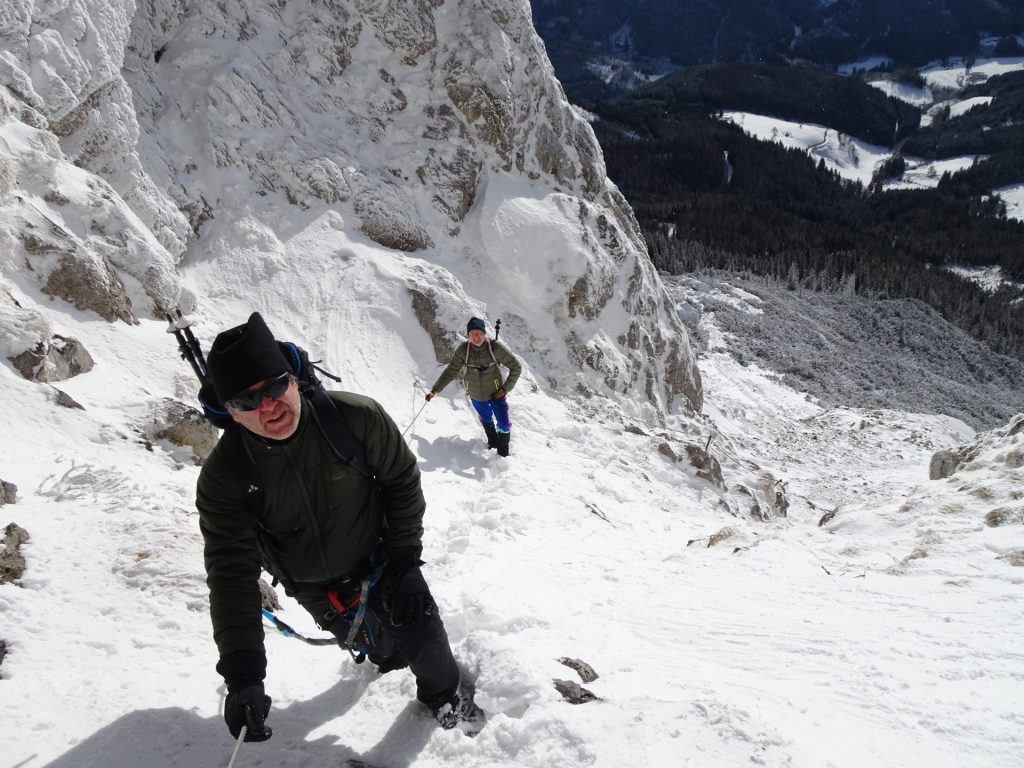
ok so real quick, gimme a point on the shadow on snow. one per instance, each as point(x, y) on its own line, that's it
point(178, 738)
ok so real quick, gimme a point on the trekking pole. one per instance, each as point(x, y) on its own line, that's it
point(414, 418)
point(188, 344)
point(238, 746)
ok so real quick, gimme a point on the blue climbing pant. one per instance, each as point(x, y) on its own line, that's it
point(493, 410)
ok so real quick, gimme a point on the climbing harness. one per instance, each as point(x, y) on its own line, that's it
point(359, 640)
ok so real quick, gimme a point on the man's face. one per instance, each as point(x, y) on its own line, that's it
point(476, 337)
point(275, 419)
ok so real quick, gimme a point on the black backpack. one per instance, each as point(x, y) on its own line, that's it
point(328, 418)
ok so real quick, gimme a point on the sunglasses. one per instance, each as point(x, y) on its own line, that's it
point(250, 399)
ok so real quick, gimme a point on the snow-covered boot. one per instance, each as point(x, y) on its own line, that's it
point(461, 712)
point(492, 436)
point(503, 439)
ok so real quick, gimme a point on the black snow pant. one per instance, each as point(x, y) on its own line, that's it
point(422, 646)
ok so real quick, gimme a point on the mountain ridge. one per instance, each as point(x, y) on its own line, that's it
point(183, 123)
point(649, 34)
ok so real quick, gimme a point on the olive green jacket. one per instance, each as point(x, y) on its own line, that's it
point(483, 376)
point(321, 518)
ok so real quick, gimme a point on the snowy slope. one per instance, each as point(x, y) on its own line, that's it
point(230, 191)
point(786, 644)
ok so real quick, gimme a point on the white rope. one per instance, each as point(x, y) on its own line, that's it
point(238, 746)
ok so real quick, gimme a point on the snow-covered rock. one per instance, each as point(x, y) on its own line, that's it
point(130, 128)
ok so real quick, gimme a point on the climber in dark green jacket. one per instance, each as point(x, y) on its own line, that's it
point(325, 531)
point(477, 360)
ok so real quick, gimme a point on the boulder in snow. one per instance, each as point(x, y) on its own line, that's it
point(185, 426)
point(584, 670)
point(8, 492)
point(574, 693)
point(268, 597)
point(58, 359)
point(12, 564)
point(707, 465)
point(65, 400)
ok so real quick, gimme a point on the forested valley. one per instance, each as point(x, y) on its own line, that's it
point(708, 196)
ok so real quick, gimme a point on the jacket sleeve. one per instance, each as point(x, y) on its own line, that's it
point(510, 361)
point(449, 374)
point(398, 478)
point(232, 559)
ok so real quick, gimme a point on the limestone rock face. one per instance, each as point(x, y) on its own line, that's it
point(1002, 448)
point(135, 131)
point(69, 227)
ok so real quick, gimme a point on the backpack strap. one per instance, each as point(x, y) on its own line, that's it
point(494, 360)
point(335, 429)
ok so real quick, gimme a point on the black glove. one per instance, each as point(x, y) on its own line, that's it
point(405, 595)
point(248, 706)
point(430, 395)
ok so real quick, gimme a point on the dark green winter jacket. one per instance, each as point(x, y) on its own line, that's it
point(321, 518)
point(483, 376)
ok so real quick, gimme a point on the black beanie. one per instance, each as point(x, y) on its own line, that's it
point(242, 356)
point(476, 324)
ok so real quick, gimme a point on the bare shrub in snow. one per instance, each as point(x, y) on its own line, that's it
point(1003, 516)
point(1015, 558)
